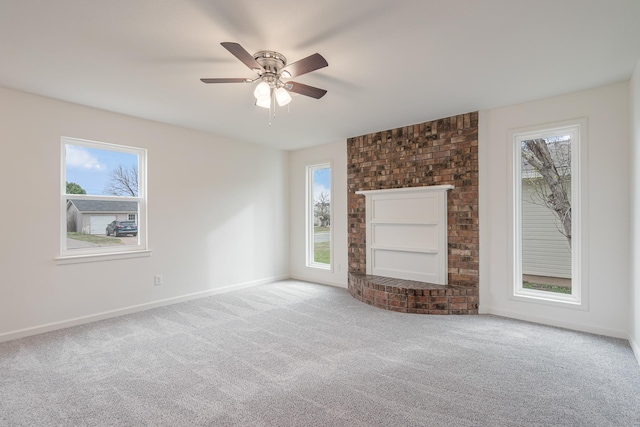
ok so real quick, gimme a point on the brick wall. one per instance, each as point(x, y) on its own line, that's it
point(438, 152)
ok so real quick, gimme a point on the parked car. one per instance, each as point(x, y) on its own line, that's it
point(119, 228)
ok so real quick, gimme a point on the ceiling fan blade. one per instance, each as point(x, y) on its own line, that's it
point(231, 80)
point(244, 56)
point(303, 89)
point(306, 65)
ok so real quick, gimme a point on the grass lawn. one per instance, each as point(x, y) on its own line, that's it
point(95, 239)
point(322, 252)
point(317, 229)
point(547, 288)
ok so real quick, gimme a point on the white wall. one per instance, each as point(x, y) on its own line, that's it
point(231, 203)
point(218, 216)
point(634, 323)
point(335, 153)
point(607, 111)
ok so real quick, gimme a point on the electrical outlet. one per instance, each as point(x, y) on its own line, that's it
point(157, 280)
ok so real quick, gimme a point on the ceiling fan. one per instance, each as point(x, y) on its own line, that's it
point(272, 68)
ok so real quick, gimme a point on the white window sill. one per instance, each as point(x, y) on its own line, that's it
point(77, 259)
point(549, 298)
point(319, 266)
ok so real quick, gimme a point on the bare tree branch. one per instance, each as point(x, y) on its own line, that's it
point(551, 191)
point(123, 181)
point(322, 210)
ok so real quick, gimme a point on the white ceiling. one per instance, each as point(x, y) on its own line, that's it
point(391, 63)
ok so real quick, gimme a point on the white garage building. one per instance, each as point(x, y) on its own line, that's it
point(93, 216)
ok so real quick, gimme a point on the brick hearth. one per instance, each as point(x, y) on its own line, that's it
point(409, 296)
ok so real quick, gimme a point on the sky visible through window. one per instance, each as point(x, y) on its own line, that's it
point(91, 167)
point(322, 182)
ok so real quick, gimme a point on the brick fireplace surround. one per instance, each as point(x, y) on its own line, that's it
point(438, 152)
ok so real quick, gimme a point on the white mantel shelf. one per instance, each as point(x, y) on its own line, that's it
point(407, 233)
point(408, 189)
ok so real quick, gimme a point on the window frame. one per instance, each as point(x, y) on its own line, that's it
point(578, 298)
point(309, 222)
point(79, 255)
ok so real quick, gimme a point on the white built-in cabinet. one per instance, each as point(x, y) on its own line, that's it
point(407, 233)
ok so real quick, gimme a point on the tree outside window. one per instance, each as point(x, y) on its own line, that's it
point(319, 222)
point(548, 166)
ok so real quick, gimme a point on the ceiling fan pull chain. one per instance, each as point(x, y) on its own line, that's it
point(272, 107)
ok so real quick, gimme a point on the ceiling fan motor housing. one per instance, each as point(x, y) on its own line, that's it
point(271, 61)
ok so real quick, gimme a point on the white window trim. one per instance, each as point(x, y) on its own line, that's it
point(310, 218)
point(81, 255)
point(579, 211)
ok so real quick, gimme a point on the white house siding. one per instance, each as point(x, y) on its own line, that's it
point(545, 251)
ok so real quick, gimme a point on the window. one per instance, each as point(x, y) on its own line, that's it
point(102, 203)
point(319, 216)
point(547, 216)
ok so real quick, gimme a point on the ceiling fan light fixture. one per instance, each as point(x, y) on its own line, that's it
point(264, 101)
point(282, 96)
point(263, 90)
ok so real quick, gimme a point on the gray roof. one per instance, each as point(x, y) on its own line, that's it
point(104, 205)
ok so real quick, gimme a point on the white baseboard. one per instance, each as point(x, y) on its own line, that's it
point(635, 347)
point(12, 335)
point(321, 282)
point(615, 333)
